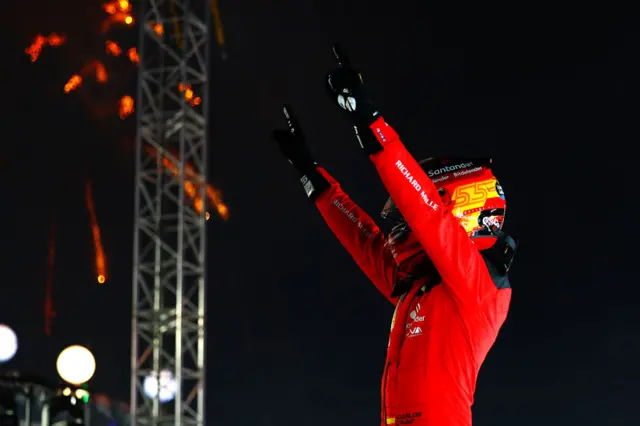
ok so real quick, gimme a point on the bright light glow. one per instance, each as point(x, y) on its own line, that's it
point(168, 386)
point(76, 365)
point(8, 343)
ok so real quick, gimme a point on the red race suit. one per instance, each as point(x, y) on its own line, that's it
point(440, 334)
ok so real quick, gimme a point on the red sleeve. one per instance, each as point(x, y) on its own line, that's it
point(446, 242)
point(359, 234)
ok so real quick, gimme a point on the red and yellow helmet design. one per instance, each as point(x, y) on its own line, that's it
point(469, 191)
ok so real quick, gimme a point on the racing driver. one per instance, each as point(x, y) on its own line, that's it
point(443, 265)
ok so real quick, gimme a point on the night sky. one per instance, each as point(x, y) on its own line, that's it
point(296, 333)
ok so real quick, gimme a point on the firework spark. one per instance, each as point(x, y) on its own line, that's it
point(176, 24)
point(101, 267)
point(40, 41)
point(157, 28)
point(214, 197)
point(188, 94)
point(112, 48)
point(126, 106)
point(98, 69)
point(95, 68)
point(117, 18)
point(74, 82)
point(132, 54)
point(119, 12)
point(215, 12)
point(49, 311)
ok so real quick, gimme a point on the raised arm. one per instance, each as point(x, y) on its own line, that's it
point(358, 233)
point(445, 241)
point(351, 225)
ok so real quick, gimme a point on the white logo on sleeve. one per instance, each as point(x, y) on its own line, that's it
point(307, 185)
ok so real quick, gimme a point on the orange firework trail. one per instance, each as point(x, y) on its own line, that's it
point(114, 7)
point(188, 94)
point(74, 82)
point(117, 18)
point(214, 197)
point(176, 24)
point(34, 49)
point(101, 268)
point(126, 106)
point(49, 312)
point(215, 12)
point(132, 54)
point(119, 13)
point(112, 48)
point(202, 196)
point(97, 69)
point(94, 67)
point(157, 28)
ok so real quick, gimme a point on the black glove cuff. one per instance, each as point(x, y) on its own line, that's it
point(366, 115)
point(303, 162)
point(367, 139)
point(313, 182)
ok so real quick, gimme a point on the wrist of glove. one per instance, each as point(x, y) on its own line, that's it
point(368, 142)
point(313, 183)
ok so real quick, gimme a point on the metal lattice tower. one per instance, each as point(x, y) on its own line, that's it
point(168, 324)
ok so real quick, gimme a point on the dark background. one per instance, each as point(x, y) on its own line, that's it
point(296, 333)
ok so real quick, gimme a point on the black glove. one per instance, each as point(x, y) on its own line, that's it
point(293, 146)
point(346, 88)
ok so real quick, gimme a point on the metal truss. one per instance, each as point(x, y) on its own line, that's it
point(168, 323)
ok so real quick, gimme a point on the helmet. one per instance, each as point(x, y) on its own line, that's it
point(469, 191)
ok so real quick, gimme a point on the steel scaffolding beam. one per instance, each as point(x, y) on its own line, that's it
point(168, 323)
